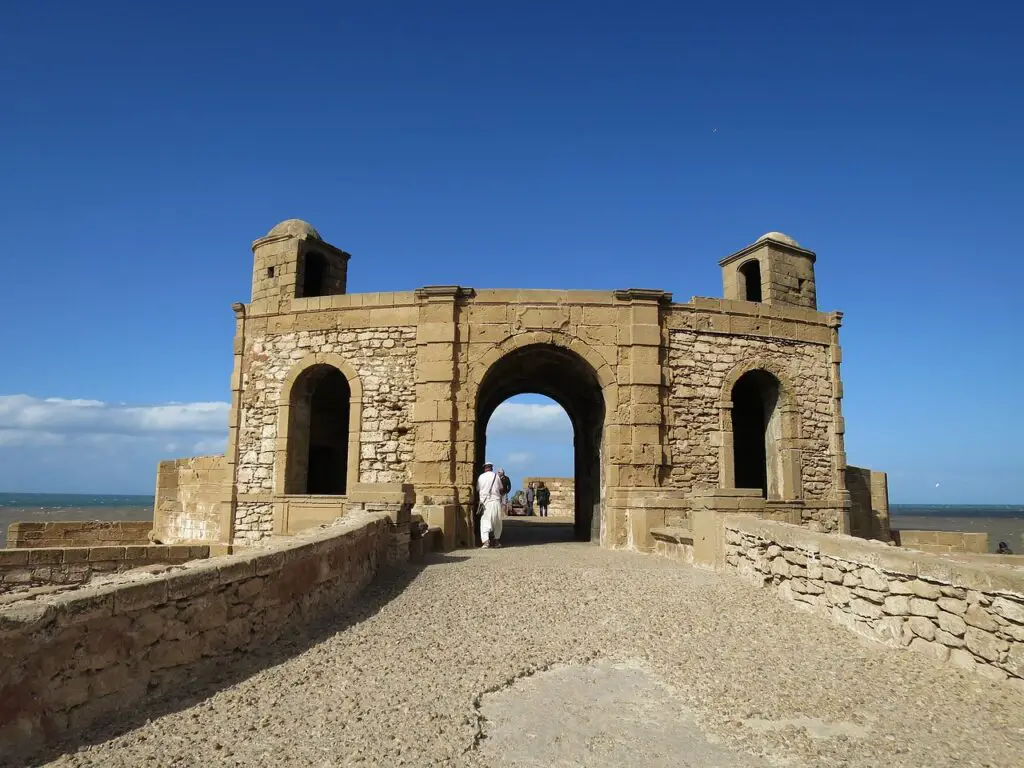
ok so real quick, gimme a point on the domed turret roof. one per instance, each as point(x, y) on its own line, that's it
point(294, 228)
point(779, 237)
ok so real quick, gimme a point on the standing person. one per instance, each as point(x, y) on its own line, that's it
point(489, 488)
point(506, 486)
point(529, 499)
point(543, 499)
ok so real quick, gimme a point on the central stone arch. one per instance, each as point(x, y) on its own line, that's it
point(574, 377)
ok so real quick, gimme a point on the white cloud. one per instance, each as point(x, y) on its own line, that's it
point(518, 458)
point(28, 437)
point(536, 418)
point(56, 416)
point(210, 447)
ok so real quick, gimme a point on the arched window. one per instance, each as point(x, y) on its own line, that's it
point(757, 433)
point(314, 271)
point(318, 433)
point(751, 274)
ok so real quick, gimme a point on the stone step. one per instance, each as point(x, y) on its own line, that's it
point(674, 534)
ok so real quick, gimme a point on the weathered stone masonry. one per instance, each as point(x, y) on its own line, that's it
point(969, 612)
point(349, 400)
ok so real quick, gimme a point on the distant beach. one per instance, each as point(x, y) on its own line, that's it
point(1002, 522)
point(49, 507)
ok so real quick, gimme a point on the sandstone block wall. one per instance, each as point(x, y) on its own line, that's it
point(78, 533)
point(968, 611)
point(26, 568)
point(869, 493)
point(563, 495)
point(942, 542)
point(76, 659)
point(193, 500)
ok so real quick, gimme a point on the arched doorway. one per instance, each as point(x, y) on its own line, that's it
point(318, 432)
point(750, 274)
point(566, 378)
point(757, 433)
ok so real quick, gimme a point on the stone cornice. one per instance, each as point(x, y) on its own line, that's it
point(765, 243)
point(444, 292)
point(643, 294)
point(317, 244)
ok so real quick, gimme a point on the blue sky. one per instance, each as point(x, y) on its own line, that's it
point(564, 145)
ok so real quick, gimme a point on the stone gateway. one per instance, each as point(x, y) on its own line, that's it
point(380, 401)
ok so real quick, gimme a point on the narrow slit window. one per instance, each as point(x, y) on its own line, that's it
point(751, 274)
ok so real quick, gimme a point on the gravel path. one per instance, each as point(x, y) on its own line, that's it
point(405, 678)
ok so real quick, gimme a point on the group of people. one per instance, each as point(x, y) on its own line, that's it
point(537, 492)
point(493, 488)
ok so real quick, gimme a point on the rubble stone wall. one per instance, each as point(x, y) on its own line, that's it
point(77, 659)
point(193, 500)
point(26, 568)
point(78, 533)
point(385, 360)
point(967, 610)
point(700, 363)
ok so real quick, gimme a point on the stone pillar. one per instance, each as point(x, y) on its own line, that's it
point(434, 415)
point(837, 442)
point(227, 523)
point(640, 455)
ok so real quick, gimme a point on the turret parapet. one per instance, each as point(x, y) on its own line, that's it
point(775, 269)
point(292, 261)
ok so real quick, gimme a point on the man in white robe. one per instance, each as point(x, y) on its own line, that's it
point(489, 489)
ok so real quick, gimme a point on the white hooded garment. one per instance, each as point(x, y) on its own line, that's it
point(488, 486)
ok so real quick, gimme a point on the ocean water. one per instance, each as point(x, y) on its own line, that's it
point(43, 507)
point(1002, 522)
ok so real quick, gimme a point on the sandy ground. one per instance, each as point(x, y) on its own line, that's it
point(566, 654)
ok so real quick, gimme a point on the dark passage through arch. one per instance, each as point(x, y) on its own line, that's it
point(318, 432)
point(756, 433)
point(566, 378)
point(751, 273)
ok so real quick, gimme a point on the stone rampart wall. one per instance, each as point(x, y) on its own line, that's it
point(699, 364)
point(77, 659)
point(193, 500)
point(942, 542)
point(25, 568)
point(563, 495)
point(968, 610)
point(78, 533)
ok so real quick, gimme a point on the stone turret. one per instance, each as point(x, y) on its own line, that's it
point(775, 269)
point(292, 262)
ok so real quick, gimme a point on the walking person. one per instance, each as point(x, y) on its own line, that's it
point(543, 499)
point(506, 488)
point(489, 489)
point(529, 499)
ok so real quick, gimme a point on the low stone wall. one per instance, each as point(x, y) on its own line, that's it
point(27, 568)
point(967, 610)
point(942, 542)
point(563, 495)
point(77, 659)
point(78, 533)
point(193, 500)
